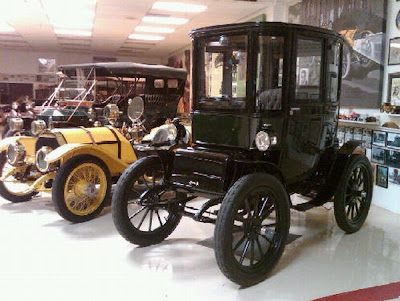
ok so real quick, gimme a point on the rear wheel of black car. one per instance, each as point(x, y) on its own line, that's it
point(252, 228)
point(354, 194)
point(81, 188)
point(137, 211)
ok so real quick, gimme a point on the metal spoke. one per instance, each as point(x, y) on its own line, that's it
point(263, 206)
point(154, 179)
point(246, 247)
point(252, 252)
point(144, 216)
point(151, 220)
point(348, 211)
point(137, 212)
point(239, 242)
point(159, 218)
point(259, 248)
point(266, 238)
point(268, 212)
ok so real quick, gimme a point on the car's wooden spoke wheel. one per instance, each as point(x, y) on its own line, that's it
point(354, 194)
point(85, 189)
point(251, 229)
point(136, 207)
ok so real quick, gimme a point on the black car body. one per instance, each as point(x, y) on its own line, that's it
point(264, 124)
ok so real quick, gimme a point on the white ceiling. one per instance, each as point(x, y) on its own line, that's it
point(114, 21)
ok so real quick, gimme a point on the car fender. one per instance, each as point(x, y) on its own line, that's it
point(61, 154)
point(343, 157)
point(6, 142)
point(246, 167)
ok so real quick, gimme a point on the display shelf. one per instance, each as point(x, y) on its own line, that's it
point(393, 115)
point(359, 122)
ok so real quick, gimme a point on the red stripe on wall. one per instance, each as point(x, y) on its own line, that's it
point(383, 292)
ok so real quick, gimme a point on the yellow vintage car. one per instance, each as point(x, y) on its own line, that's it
point(78, 165)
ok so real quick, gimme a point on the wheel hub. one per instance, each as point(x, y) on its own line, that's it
point(91, 191)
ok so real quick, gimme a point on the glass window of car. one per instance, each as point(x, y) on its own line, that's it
point(224, 73)
point(172, 83)
point(269, 73)
point(159, 83)
point(333, 71)
point(308, 70)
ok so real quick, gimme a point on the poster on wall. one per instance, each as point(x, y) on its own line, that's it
point(362, 23)
point(47, 65)
point(378, 155)
point(394, 176)
point(382, 176)
point(394, 51)
point(394, 89)
point(183, 61)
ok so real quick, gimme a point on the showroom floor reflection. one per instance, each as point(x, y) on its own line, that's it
point(43, 257)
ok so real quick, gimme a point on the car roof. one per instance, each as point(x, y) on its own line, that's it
point(275, 26)
point(126, 69)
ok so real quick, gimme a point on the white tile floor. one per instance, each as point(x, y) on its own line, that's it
point(43, 257)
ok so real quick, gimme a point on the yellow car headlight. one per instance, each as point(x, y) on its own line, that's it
point(16, 124)
point(41, 164)
point(16, 154)
point(38, 126)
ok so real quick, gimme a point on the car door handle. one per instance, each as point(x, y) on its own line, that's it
point(292, 110)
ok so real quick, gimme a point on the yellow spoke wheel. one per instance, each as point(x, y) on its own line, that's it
point(85, 189)
point(11, 188)
point(81, 188)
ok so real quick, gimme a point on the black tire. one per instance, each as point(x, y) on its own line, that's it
point(124, 221)
point(354, 194)
point(6, 193)
point(235, 205)
point(60, 181)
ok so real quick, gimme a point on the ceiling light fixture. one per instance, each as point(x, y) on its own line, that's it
point(179, 7)
point(72, 32)
point(153, 29)
point(164, 20)
point(145, 37)
point(4, 27)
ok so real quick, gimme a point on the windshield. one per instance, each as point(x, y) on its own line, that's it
point(223, 70)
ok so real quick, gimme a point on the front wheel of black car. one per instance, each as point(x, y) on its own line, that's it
point(354, 194)
point(252, 228)
point(143, 210)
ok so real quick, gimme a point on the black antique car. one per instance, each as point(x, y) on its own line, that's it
point(264, 124)
point(105, 93)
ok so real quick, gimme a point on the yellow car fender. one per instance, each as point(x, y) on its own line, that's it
point(27, 141)
point(6, 142)
point(115, 165)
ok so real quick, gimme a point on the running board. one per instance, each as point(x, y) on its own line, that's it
point(309, 205)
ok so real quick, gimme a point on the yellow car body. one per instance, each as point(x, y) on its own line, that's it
point(104, 143)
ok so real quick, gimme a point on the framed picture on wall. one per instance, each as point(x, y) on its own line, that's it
point(394, 51)
point(393, 140)
point(392, 158)
point(394, 88)
point(382, 173)
point(379, 138)
point(367, 138)
point(394, 176)
point(378, 155)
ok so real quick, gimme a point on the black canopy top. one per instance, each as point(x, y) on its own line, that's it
point(126, 69)
point(259, 26)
